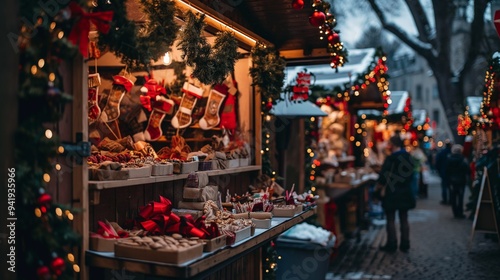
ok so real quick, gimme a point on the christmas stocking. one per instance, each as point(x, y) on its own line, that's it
point(211, 117)
point(94, 112)
point(183, 118)
point(228, 115)
point(121, 85)
point(161, 107)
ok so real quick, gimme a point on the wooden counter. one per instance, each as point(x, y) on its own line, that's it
point(209, 263)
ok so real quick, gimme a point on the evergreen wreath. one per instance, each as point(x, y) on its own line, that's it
point(139, 44)
point(268, 73)
point(210, 64)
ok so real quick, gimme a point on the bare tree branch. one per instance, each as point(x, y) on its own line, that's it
point(421, 21)
point(422, 48)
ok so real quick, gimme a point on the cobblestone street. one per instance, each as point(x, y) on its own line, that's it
point(439, 248)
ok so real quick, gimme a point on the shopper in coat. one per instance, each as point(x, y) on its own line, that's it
point(395, 179)
point(441, 159)
point(457, 171)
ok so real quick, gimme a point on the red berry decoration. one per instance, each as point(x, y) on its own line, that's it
point(317, 18)
point(269, 105)
point(44, 199)
point(333, 38)
point(43, 272)
point(298, 4)
point(57, 265)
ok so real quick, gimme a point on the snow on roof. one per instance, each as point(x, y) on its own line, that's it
point(398, 102)
point(359, 61)
point(419, 116)
point(474, 104)
point(296, 108)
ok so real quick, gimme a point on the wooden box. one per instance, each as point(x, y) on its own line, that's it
point(102, 244)
point(213, 244)
point(262, 223)
point(178, 256)
point(162, 169)
point(233, 163)
point(242, 234)
point(284, 212)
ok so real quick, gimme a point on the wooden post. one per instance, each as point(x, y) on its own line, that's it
point(80, 172)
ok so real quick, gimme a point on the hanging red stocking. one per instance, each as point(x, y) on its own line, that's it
point(211, 117)
point(151, 90)
point(121, 85)
point(228, 115)
point(161, 107)
point(183, 117)
point(94, 112)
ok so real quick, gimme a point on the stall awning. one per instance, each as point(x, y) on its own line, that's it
point(296, 108)
point(398, 102)
point(419, 117)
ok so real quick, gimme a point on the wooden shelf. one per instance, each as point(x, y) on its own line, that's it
point(209, 262)
point(101, 185)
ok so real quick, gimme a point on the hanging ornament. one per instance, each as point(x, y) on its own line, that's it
point(43, 272)
point(298, 4)
point(269, 105)
point(317, 18)
point(44, 199)
point(333, 38)
point(57, 265)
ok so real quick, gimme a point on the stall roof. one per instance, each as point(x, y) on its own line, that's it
point(296, 108)
point(274, 21)
point(419, 116)
point(359, 61)
point(397, 105)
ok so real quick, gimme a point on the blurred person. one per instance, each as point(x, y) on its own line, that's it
point(441, 159)
point(457, 171)
point(419, 161)
point(394, 188)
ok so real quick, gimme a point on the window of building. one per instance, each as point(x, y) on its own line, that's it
point(435, 115)
point(418, 93)
point(435, 93)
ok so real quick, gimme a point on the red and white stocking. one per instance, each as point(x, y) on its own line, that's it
point(94, 111)
point(161, 107)
point(191, 95)
point(228, 115)
point(211, 117)
point(121, 85)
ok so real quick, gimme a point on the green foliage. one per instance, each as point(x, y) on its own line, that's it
point(210, 64)
point(175, 87)
point(139, 44)
point(268, 72)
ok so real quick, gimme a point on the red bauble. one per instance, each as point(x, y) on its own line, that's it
point(44, 199)
point(334, 38)
point(317, 18)
point(43, 272)
point(57, 265)
point(298, 4)
point(269, 105)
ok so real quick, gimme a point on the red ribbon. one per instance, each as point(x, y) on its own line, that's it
point(80, 32)
point(106, 231)
point(159, 219)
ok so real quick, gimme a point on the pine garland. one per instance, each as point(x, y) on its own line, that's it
point(210, 64)
point(138, 45)
point(268, 73)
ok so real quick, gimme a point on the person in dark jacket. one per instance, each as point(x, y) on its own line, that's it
point(395, 180)
point(457, 171)
point(441, 158)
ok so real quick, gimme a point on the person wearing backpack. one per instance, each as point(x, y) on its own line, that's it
point(457, 171)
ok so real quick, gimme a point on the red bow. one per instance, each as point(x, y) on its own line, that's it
point(80, 32)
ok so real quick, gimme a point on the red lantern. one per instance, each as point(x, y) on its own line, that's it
point(317, 18)
point(44, 199)
point(334, 38)
point(57, 265)
point(43, 272)
point(298, 4)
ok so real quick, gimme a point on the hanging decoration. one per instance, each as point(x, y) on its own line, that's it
point(326, 22)
point(268, 75)
point(45, 238)
point(211, 64)
point(80, 33)
point(464, 124)
point(303, 81)
point(138, 44)
point(490, 107)
point(298, 4)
